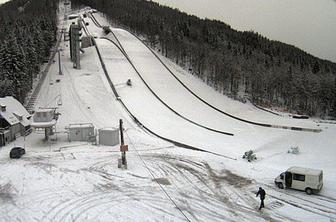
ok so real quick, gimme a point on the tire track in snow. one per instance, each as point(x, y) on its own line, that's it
point(26, 204)
point(302, 202)
point(195, 174)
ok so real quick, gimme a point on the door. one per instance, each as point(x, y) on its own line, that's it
point(288, 179)
point(2, 139)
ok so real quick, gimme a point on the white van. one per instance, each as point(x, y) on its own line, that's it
point(300, 178)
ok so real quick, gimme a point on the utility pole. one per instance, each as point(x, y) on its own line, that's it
point(122, 163)
point(59, 62)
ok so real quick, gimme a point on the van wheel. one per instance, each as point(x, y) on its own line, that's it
point(309, 191)
point(280, 185)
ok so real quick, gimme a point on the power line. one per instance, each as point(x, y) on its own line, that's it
point(152, 174)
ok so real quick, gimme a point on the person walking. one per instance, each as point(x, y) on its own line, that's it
point(261, 192)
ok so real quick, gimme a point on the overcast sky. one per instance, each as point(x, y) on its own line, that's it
point(3, 1)
point(307, 24)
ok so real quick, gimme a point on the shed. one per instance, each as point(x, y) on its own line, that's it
point(81, 132)
point(109, 136)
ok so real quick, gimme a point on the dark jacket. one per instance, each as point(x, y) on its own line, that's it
point(262, 193)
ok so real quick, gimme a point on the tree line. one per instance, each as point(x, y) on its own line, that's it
point(235, 63)
point(27, 32)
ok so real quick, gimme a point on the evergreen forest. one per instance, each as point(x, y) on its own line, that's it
point(238, 64)
point(28, 30)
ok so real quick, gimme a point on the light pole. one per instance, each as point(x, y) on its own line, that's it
point(59, 62)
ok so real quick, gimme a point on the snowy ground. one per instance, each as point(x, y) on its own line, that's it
point(62, 181)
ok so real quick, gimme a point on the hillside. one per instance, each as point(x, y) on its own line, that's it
point(235, 63)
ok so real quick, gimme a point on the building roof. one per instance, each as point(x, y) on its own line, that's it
point(15, 112)
point(80, 125)
point(45, 110)
point(109, 129)
point(43, 124)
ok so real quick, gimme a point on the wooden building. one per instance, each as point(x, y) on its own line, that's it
point(14, 120)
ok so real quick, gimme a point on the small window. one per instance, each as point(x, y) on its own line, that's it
point(299, 177)
point(281, 176)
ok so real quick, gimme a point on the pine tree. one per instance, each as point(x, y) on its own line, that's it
point(316, 67)
point(14, 64)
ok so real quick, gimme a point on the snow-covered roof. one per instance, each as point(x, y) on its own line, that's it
point(80, 125)
point(304, 171)
point(14, 111)
point(43, 124)
point(109, 129)
point(44, 117)
point(45, 110)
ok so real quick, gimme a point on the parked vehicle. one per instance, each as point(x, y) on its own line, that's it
point(16, 152)
point(300, 178)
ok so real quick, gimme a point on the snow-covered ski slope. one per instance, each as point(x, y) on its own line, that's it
point(151, 77)
point(170, 90)
point(315, 147)
point(78, 181)
point(246, 136)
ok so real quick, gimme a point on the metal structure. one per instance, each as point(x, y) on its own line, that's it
point(75, 33)
point(46, 119)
